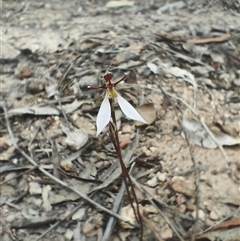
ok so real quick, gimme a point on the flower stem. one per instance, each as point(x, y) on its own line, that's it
point(126, 177)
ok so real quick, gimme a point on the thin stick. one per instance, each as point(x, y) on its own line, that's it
point(222, 220)
point(60, 90)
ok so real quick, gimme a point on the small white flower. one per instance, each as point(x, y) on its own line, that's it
point(104, 114)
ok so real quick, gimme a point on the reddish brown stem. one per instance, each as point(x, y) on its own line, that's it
point(127, 179)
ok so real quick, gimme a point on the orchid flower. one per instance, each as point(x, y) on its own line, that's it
point(104, 114)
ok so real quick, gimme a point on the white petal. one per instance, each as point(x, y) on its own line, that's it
point(104, 115)
point(129, 110)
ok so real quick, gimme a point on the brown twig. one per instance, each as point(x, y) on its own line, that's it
point(219, 39)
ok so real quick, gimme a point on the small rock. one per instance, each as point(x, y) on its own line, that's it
point(79, 214)
point(35, 188)
point(156, 219)
point(10, 218)
point(47, 6)
point(126, 129)
point(209, 205)
point(191, 207)
point(209, 222)
point(152, 182)
point(201, 214)
point(38, 202)
point(153, 148)
point(150, 209)
point(68, 234)
point(162, 177)
point(10, 178)
point(237, 82)
point(213, 215)
point(181, 185)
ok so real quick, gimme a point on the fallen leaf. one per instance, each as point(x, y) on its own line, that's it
point(76, 138)
point(235, 222)
point(129, 215)
point(153, 67)
point(79, 214)
point(199, 136)
point(182, 74)
point(117, 4)
point(167, 69)
point(35, 110)
point(131, 77)
point(148, 112)
point(51, 90)
point(70, 108)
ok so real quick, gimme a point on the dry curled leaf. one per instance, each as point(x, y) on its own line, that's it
point(199, 136)
point(148, 112)
point(128, 214)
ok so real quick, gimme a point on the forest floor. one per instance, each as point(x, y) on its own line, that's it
point(183, 65)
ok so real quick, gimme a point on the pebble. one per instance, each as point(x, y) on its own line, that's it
point(126, 129)
point(150, 209)
point(181, 185)
point(68, 234)
point(162, 177)
point(213, 215)
point(209, 222)
point(38, 202)
point(237, 82)
point(201, 214)
point(152, 182)
point(153, 148)
point(34, 188)
point(79, 214)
